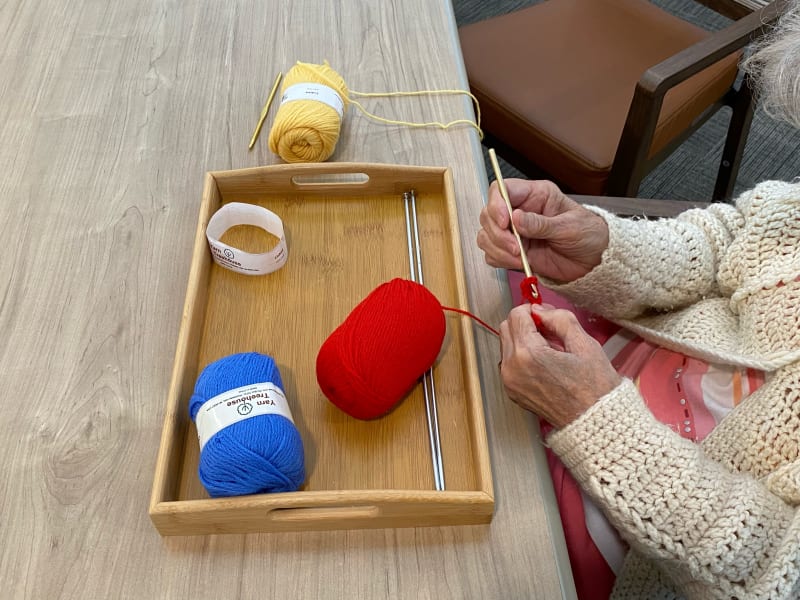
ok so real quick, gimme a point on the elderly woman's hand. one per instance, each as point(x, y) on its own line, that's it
point(557, 373)
point(562, 239)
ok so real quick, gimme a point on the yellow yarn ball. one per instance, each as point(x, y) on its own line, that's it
point(307, 130)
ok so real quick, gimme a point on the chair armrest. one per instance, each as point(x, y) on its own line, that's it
point(642, 207)
point(675, 69)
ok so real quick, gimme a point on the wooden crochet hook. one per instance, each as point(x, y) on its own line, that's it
point(264, 111)
point(530, 285)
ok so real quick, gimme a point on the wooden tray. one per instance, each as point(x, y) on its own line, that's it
point(346, 234)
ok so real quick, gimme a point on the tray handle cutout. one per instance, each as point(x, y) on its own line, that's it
point(324, 513)
point(311, 180)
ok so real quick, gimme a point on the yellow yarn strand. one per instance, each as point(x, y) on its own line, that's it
point(306, 129)
point(474, 124)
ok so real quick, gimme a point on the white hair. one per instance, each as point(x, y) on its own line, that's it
point(775, 67)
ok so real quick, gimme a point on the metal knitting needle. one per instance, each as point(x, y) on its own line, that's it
point(501, 184)
point(428, 387)
point(264, 111)
point(430, 398)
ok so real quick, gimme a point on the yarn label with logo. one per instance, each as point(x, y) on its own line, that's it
point(314, 91)
point(240, 213)
point(239, 404)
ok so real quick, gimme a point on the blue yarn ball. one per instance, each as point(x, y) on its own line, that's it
point(260, 454)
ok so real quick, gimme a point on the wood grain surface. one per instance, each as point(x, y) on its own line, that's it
point(111, 113)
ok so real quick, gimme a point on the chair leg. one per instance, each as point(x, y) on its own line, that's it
point(630, 162)
point(741, 117)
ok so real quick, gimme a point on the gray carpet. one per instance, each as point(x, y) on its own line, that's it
point(772, 151)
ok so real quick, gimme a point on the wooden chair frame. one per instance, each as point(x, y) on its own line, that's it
point(631, 162)
point(638, 207)
point(734, 9)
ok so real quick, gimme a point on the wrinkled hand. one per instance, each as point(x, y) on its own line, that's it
point(562, 239)
point(559, 375)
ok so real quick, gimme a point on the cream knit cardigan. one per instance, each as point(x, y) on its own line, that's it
point(719, 519)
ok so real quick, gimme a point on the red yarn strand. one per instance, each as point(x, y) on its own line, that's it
point(471, 316)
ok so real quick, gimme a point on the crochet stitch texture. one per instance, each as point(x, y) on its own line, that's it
point(719, 519)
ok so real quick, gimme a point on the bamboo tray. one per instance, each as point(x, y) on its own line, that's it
point(346, 234)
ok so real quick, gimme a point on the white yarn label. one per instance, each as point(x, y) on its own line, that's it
point(239, 404)
point(314, 91)
point(239, 213)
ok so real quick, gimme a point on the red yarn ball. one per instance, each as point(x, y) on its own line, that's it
point(374, 358)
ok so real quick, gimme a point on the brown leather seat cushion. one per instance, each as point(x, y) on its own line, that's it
point(555, 81)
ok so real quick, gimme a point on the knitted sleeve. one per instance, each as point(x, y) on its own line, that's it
point(660, 264)
point(713, 532)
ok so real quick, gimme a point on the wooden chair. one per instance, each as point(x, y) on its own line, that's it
point(593, 94)
point(639, 207)
point(735, 9)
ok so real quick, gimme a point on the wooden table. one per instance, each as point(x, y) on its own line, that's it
point(110, 114)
